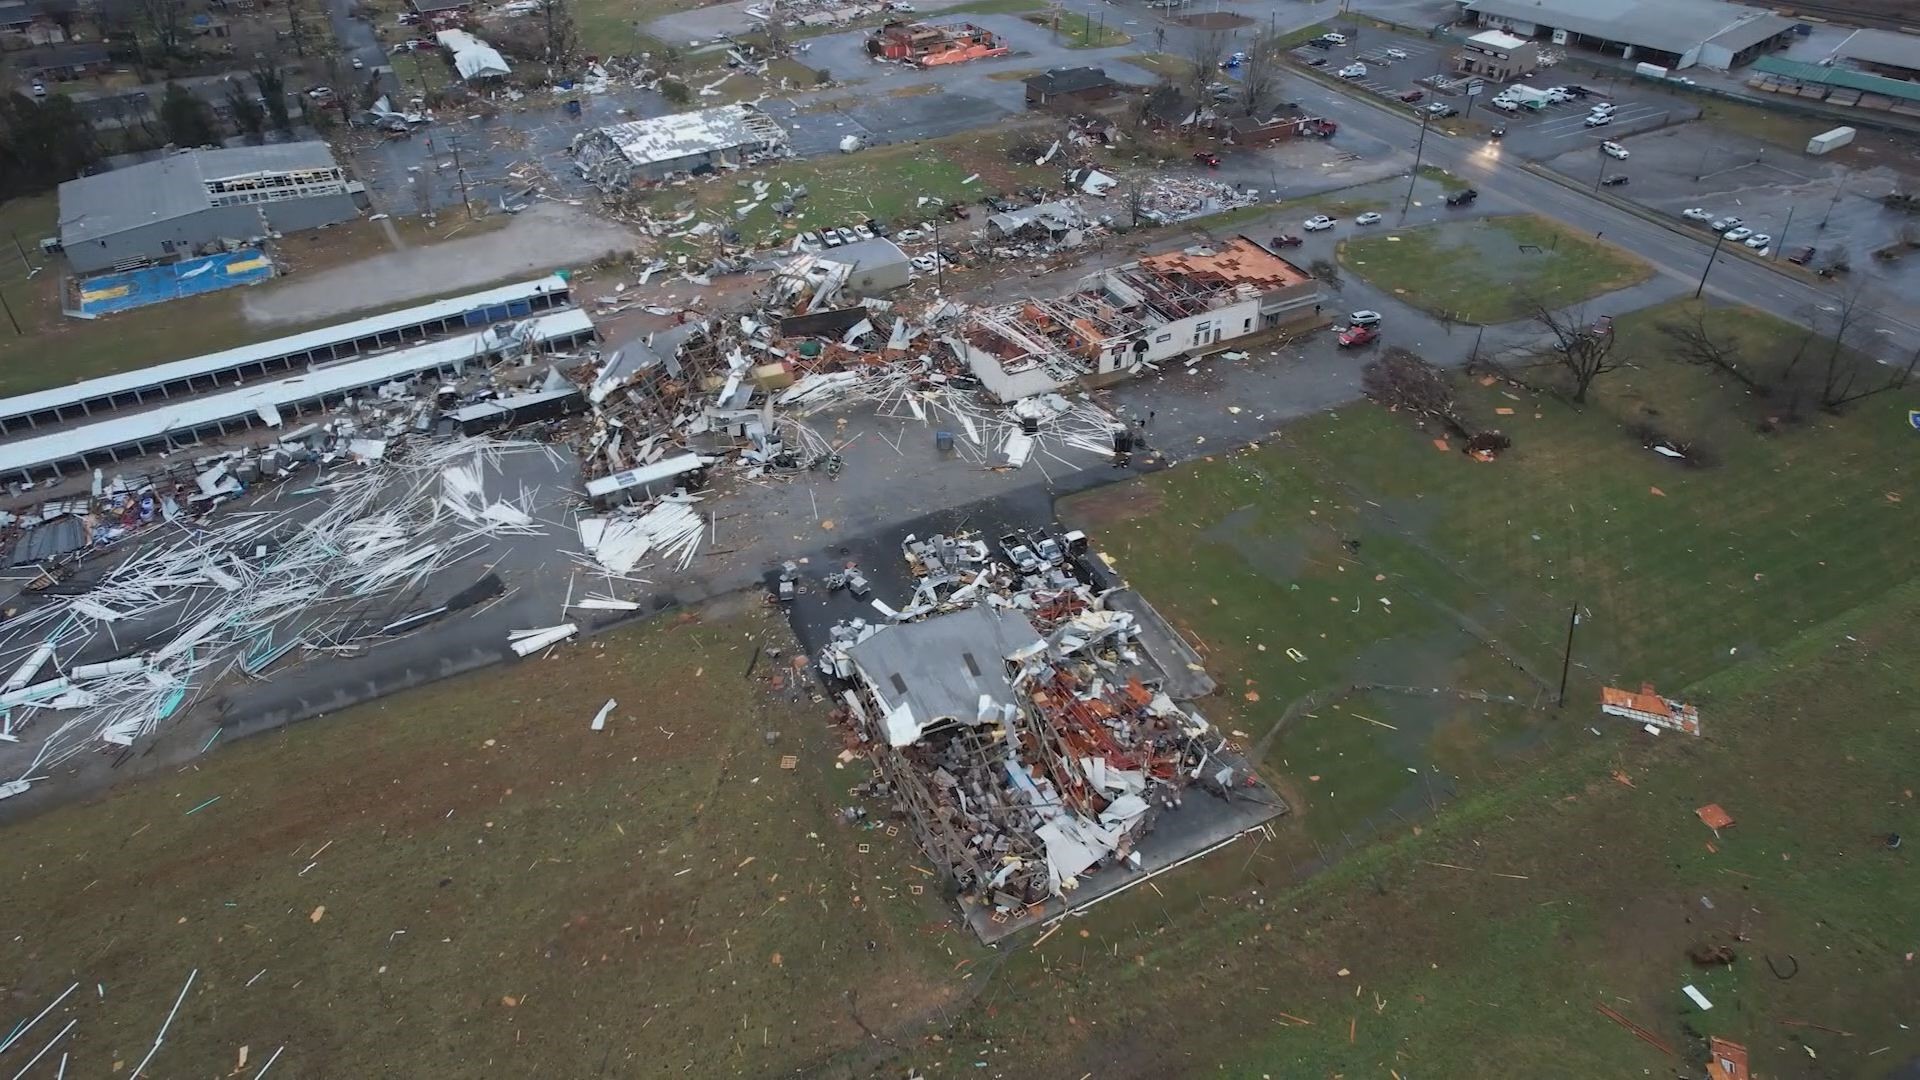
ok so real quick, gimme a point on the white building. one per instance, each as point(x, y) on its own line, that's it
point(1671, 33)
point(615, 156)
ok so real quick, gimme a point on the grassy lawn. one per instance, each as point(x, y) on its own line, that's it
point(1082, 32)
point(421, 72)
point(1444, 178)
point(884, 182)
point(502, 885)
point(1470, 268)
point(1778, 128)
point(499, 883)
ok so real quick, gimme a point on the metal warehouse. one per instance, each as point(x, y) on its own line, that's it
point(646, 150)
point(1672, 33)
point(184, 204)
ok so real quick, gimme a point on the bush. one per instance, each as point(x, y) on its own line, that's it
point(675, 91)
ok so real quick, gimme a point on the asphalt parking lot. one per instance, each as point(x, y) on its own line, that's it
point(1798, 200)
point(1535, 134)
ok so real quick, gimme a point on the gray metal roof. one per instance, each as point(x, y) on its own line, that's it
point(1881, 47)
point(866, 254)
point(941, 666)
point(1675, 26)
point(682, 135)
point(175, 186)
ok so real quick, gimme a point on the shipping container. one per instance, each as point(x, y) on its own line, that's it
point(1830, 140)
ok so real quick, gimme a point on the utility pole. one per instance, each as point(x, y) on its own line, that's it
point(1780, 242)
point(460, 175)
point(1601, 172)
point(1838, 187)
point(1566, 659)
point(939, 261)
point(1721, 239)
point(17, 332)
point(1418, 148)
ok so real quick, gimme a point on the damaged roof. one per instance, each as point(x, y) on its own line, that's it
point(1069, 80)
point(941, 667)
point(669, 138)
point(1240, 261)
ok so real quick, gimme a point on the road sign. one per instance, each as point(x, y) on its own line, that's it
point(1913, 417)
point(1475, 87)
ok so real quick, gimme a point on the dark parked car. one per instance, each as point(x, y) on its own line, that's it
point(1320, 43)
point(1316, 61)
point(1577, 90)
point(1412, 96)
point(1800, 256)
point(1207, 158)
point(1286, 240)
point(1615, 180)
point(1462, 198)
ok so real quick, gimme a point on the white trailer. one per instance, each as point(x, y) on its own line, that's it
point(1830, 140)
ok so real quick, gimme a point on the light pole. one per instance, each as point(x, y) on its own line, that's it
point(1602, 170)
point(1780, 242)
point(1721, 239)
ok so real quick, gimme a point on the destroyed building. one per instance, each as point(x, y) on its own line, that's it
point(1050, 221)
point(645, 151)
point(182, 204)
point(1122, 319)
point(930, 45)
point(1024, 722)
point(874, 266)
point(471, 57)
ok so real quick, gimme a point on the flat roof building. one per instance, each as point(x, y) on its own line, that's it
point(176, 207)
point(617, 155)
point(1496, 55)
point(1672, 33)
point(1881, 52)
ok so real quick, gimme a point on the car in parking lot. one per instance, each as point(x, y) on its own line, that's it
point(1723, 224)
point(1354, 71)
point(1368, 218)
point(1739, 233)
point(1320, 43)
point(1364, 317)
point(1413, 95)
point(1317, 223)
point(1606, 107)
point(1442, 110)
point(1615, 150)
point(1597, 120)
point(1334, 39)
point(1317, 61)
point(1800, 256)
point(1695, 213)
point(1462, 197)
point(1615, 180)
point(1396, 54)
point(1758, 240)
point(1576, 90)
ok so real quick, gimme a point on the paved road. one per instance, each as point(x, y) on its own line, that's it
point(1674, 253)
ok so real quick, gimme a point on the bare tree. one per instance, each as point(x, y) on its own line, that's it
point(166, 20)
point(1584, 349)
point(563, 38)
point(1696, 342)
point(272, 81)
point(1136, 203)
point(1260, 75)
point(1203, 56)
point(1847, 372)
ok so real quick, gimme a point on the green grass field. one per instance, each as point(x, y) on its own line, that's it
point(504, 890)
point(1471, 269)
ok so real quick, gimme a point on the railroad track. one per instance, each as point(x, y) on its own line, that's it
point(1848, 14)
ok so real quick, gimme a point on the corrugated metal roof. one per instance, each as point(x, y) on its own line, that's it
point(149, 378)
point(1675, 26)
point(187, 414)
point(670, 138)
point(93, 207)
point(1881, 47)
point(1835, 76)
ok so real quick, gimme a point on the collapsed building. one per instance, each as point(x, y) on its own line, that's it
point(647, 151)
point(1022, 715)
point(1130, 317)
point(930, 45)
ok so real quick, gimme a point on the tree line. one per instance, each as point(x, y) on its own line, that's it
point(46, 141)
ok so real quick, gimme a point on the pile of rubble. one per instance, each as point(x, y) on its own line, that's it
point(1176, 198)
point(329, 567)
point(1015, 718)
